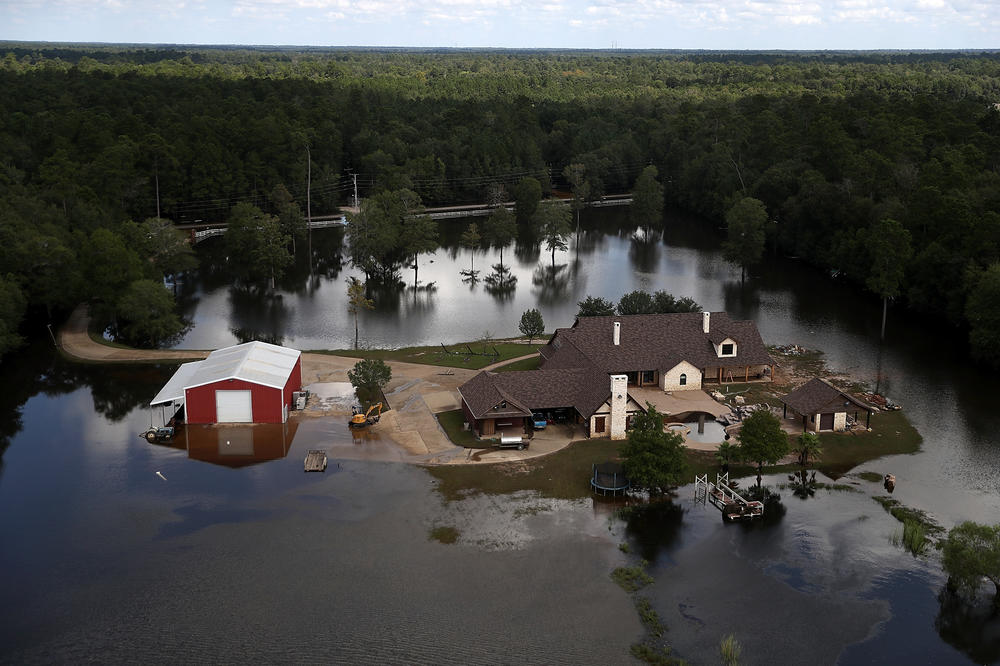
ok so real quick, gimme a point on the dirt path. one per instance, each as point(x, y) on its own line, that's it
point(417, 392)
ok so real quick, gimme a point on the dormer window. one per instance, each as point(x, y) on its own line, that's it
point(727, 349)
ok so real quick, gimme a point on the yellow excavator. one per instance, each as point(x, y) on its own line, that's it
point(370, 417)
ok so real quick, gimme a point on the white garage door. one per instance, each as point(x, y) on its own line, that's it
point(233, 407)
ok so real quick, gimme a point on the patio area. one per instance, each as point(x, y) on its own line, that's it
point(679, 402)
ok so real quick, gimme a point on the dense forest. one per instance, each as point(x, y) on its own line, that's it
point(883, 166)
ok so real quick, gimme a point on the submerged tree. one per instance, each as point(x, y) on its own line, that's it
point(256, 247)
point(983, 312)
point(746, 232)
point(653, 458)
point(499, 230)
point(527, 195)
point(471, 239)
point(576, 174)
point(889, 245)
point(647, 199)
point(552, 219)
point(972, 554)
point(146, 314)
point(356, 302)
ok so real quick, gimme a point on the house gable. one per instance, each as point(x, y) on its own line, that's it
point(682, 377)
point(726, 348)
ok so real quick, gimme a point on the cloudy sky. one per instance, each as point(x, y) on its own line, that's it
point(667, 24)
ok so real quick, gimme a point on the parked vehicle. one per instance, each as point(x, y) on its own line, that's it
point(512, 441)
point(539, 421)
point(371, 417)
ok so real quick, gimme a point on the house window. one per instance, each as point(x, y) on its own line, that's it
point(683, 380)
point(633, 378)
point(648, 376)
point(727, 349)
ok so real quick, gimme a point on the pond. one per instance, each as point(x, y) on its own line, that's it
point(215, 561)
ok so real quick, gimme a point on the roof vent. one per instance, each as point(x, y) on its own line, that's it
point(618, 333)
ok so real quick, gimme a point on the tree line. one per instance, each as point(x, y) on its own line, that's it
point(842, 151)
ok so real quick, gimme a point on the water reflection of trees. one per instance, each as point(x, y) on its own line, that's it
point(971, 626)
point(116, 390)
point(260, 316)
point(653, 527)
point(500, 283)
point(552, 283)
point(644, 250)
point(741, 300)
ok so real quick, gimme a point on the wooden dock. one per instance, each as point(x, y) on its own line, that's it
point(732, 505)
point(315, 461)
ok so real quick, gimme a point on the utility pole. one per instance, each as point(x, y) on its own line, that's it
point(309, 217)
point(355, 177)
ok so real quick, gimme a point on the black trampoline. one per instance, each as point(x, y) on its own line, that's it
point(609, 479)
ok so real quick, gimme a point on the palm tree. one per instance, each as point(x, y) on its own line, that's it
point(807, 445)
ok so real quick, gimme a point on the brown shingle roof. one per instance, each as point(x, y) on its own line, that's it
point(581, 388)
point(653, 342)
point(816, 394)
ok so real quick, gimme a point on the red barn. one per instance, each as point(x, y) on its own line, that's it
point(248, 383)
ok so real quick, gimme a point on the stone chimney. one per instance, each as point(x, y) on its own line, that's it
point(618, 333)
point(705, 316)
point(619, 401)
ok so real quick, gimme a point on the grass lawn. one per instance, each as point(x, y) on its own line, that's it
point(891, 434)
point(564, 474)
point(453, 423)
point(435, 355)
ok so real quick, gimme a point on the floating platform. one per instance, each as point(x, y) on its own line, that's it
point(732, 505)
point(315, 461)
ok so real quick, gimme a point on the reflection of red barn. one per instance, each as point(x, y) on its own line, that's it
point(248, 383)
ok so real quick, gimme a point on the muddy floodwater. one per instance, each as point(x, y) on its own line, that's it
point(219, 548)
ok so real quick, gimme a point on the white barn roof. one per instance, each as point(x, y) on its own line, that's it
point(257, 362)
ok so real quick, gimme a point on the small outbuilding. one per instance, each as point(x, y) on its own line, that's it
point(823, 406)
point(248, 383)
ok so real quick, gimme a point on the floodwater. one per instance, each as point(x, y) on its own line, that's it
point(232, 553)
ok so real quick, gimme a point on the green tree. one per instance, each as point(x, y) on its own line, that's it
point(762, 440)
point(12, 306)
point(356, 302)
point(527, 195)
point(982, 310)
point(647, 198)
point(576, 174)
point(806, 445)
point(746, 232)
point(653, 459)
point(369, 375)
point(471, 239)
point(665, 303)
point(146, 314)
point(377, 232)
point(163, 245)
point(420, 235)
point(636, 302)
point(109, 268)
point(499, 230)
point(552, 219)
point(726, 453)
point(256, 246)
point(889, 245)
point(595, 306)
point(289, 214)
point(971, 553)
point(531, 324)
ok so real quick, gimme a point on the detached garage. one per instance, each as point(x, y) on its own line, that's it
point(248, 383)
